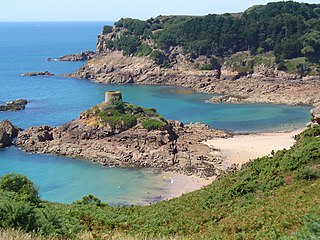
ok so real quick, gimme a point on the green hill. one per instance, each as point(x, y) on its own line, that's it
point(273, 197)
point(288, 29)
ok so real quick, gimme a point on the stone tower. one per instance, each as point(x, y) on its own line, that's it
point(112, 96)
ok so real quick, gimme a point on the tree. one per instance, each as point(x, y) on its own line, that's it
point(19, 187)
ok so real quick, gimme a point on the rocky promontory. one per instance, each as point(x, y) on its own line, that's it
point(126, 54)
point(122, 134)
point(15, 105)
point(7, 133)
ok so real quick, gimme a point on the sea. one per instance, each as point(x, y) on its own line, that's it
point(25, 47)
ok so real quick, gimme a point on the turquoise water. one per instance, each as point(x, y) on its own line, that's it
point(56, 100)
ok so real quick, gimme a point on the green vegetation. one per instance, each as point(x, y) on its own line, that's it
point(121, 116)
point(273, 197)
point(152, 124)
point(286, 29)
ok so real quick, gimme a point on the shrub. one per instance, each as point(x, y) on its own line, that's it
point(158, 57)
point(306, 173)
point(144, 50)
point(20, 187)
point(107, 29)
point(311, 229)
point(152, 124)
point(89, 200)
point(18, 215)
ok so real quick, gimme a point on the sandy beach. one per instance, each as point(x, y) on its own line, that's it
point(242, 148)
point(178, 184)
point(236, 150)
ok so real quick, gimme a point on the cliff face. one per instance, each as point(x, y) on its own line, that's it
point(172, 146)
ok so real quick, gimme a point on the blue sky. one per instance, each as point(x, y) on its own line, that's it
point(103, 10)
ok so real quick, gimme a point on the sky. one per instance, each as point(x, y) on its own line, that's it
point(103, 10)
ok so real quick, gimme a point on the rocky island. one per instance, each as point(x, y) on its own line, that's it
point(121, 134)
point(32, 74)
point(15, 105)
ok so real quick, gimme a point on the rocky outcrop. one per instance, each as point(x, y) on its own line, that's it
point(175, 147)
point(7, 133)
point(32, 74)
point(83, 56)
point(264, 83)
point(315, 113)
point(15, 105)
point(114, 68)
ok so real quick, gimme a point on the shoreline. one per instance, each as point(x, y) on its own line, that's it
point(239, 149)
point(242, 148)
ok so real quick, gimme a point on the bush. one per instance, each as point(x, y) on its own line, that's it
point(144, 50)
point(20, 187)
point(158, 57)
point(311, 229)
point(107, 29)
point(53, 223)
point(89, 200)
point(152, 124)
point(18, 215)
point(307, 173)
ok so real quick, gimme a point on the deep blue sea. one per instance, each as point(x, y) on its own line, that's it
point(24, 47)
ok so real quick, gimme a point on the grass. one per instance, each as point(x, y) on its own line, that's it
point(264, 200)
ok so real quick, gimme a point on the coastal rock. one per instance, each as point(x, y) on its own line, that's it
point(32, 74)
point(315, 113)
point(263, 83)
point(83, 56)
point(15, 105)
point(7, 133)
point(173, 147)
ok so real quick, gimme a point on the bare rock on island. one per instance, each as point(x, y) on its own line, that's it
point(15, 105)
point(32, 74)
point(122, 134)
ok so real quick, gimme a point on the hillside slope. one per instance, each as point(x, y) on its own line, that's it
point(269, 198)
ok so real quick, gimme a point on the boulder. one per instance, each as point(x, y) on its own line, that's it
point(315, 112)
point(7, 133)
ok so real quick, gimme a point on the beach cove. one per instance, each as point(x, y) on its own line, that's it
point(56, 100)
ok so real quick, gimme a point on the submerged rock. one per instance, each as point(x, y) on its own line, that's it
point(15, 105)
point(32, 74)
point(7, 132)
